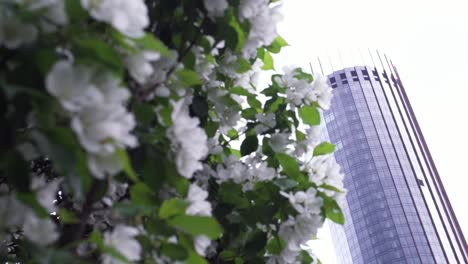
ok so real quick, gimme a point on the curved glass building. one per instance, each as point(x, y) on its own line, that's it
point(396, 208)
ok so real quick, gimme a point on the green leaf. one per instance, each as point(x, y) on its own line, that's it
point(194, 258)
point(231, 193)
point(301, 75)
point(189, 77)
point(239, 33)
point(144, 113)
point(277, 44)
point(306, 258)
point(309, 115)
point(211, 128)
point(172, 207)
point(266, 148)
point(67, 217)
point(253, 102)
point(300, 136)
point(43, 255)
point(150, 42)
point(289, 164)
point(331, 188)
point(16, 170)
point(235, 152)
point(141, 194)
point(127, 166)
point(249, 145)
point(238, 260)
point(75, 11)
point(240, 91)
point(174, 251)
point(249, 113)
point(227, 255)
point(276, 245)
point(332, 210)
point(255, 243)
point(285, 183)
point(199, 107)
point(324, 148)
point(232, 133)
point(131, 210)
point(165, 114)
point(273, 104)
point(95, 50)
point(44, 60)
point(243, 65)
point(197, 225)
point(266, 58)
point(267, 61)
point(30, 200)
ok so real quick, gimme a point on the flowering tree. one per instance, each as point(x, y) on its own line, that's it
point(135, 131)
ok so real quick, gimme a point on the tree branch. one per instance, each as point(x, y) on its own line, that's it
point(180, 57)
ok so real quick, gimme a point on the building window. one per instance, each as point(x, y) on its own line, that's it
point(365, 73)
point(355, 76)
point(420, 182)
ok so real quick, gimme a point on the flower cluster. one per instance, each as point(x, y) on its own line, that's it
point(199, 206)
point(16, 30)
point(128, 17)
point(18, 216)
point(95, 101)
point(188, 139)
point(302, 91)
point(139, 131)
point(246, 174)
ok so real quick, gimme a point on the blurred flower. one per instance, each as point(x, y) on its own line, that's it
point(122, 239)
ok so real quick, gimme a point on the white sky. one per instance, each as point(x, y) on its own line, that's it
point(427, 42)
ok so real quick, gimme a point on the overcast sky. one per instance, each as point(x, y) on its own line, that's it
point(427, 42)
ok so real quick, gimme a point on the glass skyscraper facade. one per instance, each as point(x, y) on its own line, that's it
point(396, 208)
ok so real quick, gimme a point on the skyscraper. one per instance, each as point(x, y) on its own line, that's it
point(396, 208)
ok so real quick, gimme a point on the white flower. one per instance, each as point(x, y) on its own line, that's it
point(307, 203)
point(312, 138)
point(12, 211)
point(233, 170)
point(139, 65)
point(188, 139)
point(263, 21)
point(122, 239)
point(249, 78)
point(261, 172)
point(46, 191)
point(72, 86)
point(198, 204)
point(214, 146)
point(101, 165)
point(102, 128)
point(322, 91)
point(201, 243)
point(52, 12)
point(215, 8)
point(325, 170)
point(54, 15)
point(41, 231)
point(279, 141)
point(296, 232)
point(128, 17)
point(95, 100)
point(266, 122)
point(14, 33)
point(203, 66)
